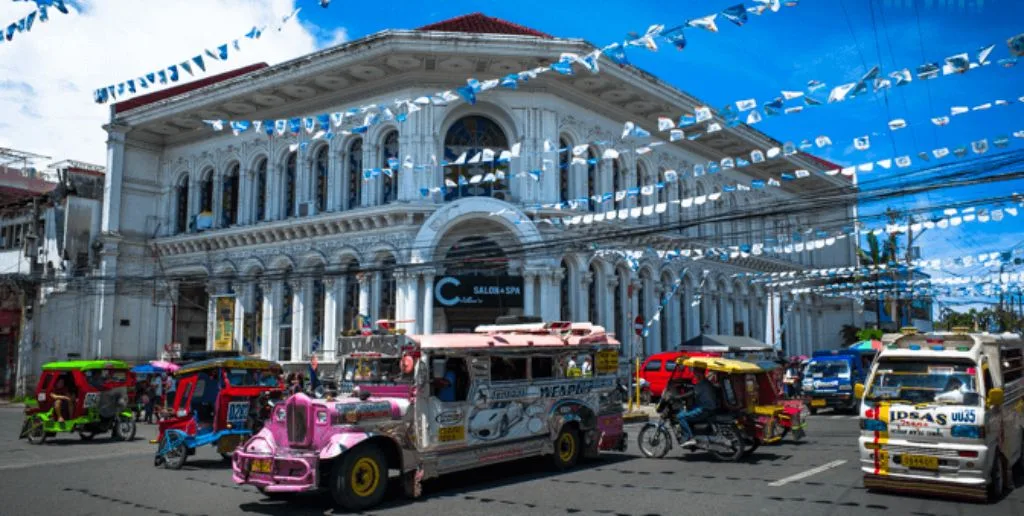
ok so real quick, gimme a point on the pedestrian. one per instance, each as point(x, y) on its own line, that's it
point(158, 390)
point(149, 401)
point(588, 366)
point(169, 386)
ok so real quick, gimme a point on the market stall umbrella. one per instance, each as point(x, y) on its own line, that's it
point(147, 369)
point(165, 366)
point(866, 345)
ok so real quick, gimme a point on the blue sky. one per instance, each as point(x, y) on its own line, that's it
point(831, 41)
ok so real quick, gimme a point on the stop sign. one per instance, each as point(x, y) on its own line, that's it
point(638, 325)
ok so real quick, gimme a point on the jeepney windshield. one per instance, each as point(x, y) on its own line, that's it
point(925, 381)
point(828, 369)
point(374, 370)
point(252, 378)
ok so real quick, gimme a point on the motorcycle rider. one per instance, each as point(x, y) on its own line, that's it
point(705, 406)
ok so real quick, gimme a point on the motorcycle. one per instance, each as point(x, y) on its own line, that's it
point(723, 435)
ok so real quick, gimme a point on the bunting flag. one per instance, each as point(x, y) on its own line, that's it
point(41, 13)
point(171, 73)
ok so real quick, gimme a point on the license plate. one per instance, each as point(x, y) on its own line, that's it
point(818, 403)
point(260, 466)
point(451, 433)
point(919, 462)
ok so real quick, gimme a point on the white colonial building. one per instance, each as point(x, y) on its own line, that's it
point(254, 243)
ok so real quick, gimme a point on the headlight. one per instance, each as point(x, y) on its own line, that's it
point(873, 425)
point(280, 414)
point(967, 431)
point(321, 417)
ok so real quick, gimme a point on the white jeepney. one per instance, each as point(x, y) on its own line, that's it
point(942, 413)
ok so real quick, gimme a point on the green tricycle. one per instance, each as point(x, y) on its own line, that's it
point(90, 397)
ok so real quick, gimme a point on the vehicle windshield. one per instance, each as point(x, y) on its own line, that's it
point(919, 381)
point(374, 370)
point(252, 378)
point(828, 369)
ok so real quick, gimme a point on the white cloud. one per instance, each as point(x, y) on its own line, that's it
point(50, 73)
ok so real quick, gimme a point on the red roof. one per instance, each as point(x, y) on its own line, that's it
point(157, 96)
point(16, 187)
point(478, 23)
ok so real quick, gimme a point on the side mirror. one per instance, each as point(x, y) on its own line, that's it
point(858, 391)
point(995, 397)
point(437, 367)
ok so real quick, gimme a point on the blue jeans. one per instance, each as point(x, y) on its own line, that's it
point(685, 416)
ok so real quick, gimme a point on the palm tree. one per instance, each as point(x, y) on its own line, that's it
point(878, 254)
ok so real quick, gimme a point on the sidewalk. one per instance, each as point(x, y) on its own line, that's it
point(641, 414)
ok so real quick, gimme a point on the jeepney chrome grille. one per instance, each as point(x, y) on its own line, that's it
point(297, 425)
point(895, 449)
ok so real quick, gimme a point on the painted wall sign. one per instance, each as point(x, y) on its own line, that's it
point(479, 291)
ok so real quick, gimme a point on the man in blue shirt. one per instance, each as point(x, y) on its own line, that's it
point(705, 406)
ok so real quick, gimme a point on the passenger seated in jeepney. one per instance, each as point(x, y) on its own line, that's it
point(62, 395)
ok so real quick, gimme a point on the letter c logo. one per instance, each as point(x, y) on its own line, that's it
point(446, 301)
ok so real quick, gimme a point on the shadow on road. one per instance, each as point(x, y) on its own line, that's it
point(452, 485)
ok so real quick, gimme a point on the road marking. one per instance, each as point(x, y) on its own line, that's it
point(73, 460)
point(810, 472)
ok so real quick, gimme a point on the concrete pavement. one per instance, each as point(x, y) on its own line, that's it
point(817, 476)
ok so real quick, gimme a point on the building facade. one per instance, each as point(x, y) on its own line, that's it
point(276, 245)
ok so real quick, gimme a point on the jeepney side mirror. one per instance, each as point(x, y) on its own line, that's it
point(437, 367)
point(995, 397)
point(858, 391)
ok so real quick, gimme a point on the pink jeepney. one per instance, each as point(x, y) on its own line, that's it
point(428, 405)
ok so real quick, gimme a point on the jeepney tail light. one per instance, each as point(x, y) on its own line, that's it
point(182, 413)
point(970, 454)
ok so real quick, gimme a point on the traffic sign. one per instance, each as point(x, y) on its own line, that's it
point(638, 325)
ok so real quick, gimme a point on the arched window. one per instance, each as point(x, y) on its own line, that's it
point(662, 196)
point(204, 220)
point(351, 308)
point(592, 162)
point(288, 185)
point(666, 332)
point(478, 138)
point(700, 211)
point(181, 206)
point(565, 311)
point(229, 197)
point(620, 299)
point(321, 167)
point(355, 173)
point(260, 187)
point(389, 161)
point(564, 164)
point(386, 307)
point(284, 349)
point(593, 312)
point(316, 334)
point(617, 183)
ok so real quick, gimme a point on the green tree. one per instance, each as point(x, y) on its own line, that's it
point(869, 334)
point(875, 255)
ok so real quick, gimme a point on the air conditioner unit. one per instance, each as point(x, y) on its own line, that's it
point(307, 209)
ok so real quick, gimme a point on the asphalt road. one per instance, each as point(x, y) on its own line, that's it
point(72, 477)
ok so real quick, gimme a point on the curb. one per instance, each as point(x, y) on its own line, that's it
point(636, 417)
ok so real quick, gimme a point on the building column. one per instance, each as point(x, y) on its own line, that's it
point(428, 303)
point(237, 335)
point(583, 299)
point(364, 294)
point(268, 342)
point(333, 291)
point(529, 301)
point(608, 298)
point(377, 288)
point(114, 178)
point(401, 279)
point(551, 294)
point(633, 308)
point(300, 289)
point(412, 298)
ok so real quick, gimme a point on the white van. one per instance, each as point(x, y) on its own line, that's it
point(942, 414)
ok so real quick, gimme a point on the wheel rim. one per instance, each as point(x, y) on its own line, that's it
point(125, 428)
point(365, 477)
point(566, 447)
point(37, 433)
point(653, 443)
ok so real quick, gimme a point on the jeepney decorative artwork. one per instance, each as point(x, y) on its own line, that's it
point(438, 404)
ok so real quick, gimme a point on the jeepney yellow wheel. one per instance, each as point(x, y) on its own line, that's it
point(360, 480)
point(567, 448)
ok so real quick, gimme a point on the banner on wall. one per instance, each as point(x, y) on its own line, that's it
point(224, 336)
